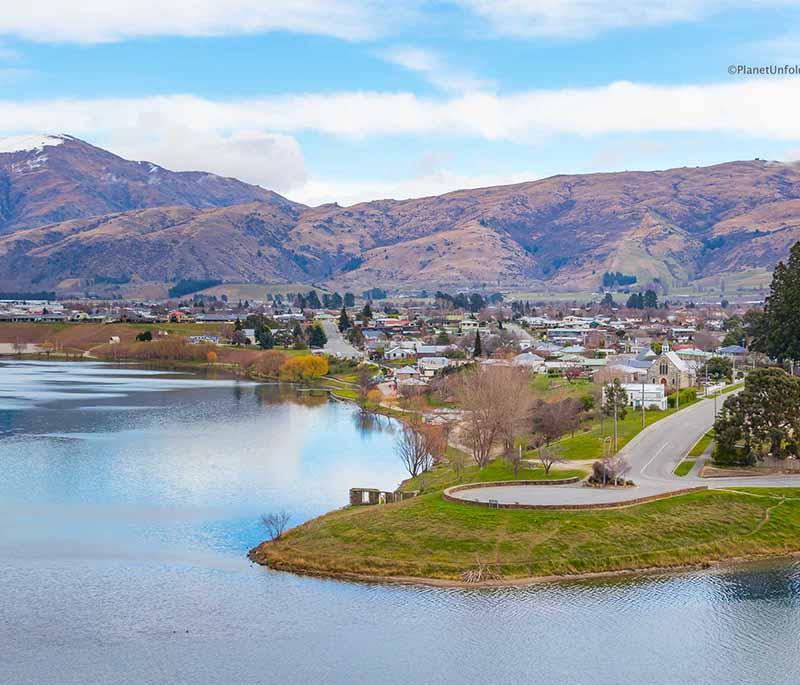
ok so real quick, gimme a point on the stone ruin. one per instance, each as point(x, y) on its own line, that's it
point(368, 496)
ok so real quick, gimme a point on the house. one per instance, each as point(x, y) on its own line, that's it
point(529, 360)
point(432, 350)
point(653, 394)
point(397, 352)
point(430, 366)
point(179, 316)
point(468, 325)
point(671, 371)
point(405, 372)
point(733, 351)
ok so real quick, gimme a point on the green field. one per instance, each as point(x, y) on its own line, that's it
point(684, 467)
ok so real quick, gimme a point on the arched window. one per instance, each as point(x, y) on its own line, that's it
point(663, 369)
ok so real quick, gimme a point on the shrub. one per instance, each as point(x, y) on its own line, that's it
point(211, 357)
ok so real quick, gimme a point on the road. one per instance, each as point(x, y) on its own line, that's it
point(653, 455)
point(337, 345)
point(519, 331)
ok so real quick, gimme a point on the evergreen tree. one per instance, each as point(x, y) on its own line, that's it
point(778, 334)
point(298, 338)
point(366, 313)
point(344, 321)
point(312, 300)
point(477, 350)
point(650, 299)
point(316, 336)
point(349, 300)
point(336, 301)
point(238, 325)
point(265, 338)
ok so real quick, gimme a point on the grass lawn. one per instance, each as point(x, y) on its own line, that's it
point(443, 476)
point(428, 537)
point(684, 467)
point(701, 444)
point(589, 444)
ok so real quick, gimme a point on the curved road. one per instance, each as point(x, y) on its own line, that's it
point(653, 455)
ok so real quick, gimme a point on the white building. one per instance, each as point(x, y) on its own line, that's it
point(653, 393)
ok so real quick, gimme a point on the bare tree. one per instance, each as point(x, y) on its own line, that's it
point(364, 382)
point(496, 401)
point(413, 448)
point(275, 523)
point(548, 456)
point(554, 419)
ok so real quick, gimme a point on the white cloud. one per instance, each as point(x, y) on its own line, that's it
point(274, 161)
point(99, 21)
point(764, 107)
point(347, 192)
point(582, 18)
point(434, 69)
point(253, 139)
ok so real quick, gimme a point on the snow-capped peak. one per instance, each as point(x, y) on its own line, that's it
point(29, 143)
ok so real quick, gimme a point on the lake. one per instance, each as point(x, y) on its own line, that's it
point(129, 499)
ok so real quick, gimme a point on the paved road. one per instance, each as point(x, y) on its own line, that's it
point(337, 345)
point(653, 455)
point(519, 331)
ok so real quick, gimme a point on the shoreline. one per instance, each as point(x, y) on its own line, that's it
point(525, 581)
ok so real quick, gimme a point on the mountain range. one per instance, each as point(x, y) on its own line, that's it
point(76, 218)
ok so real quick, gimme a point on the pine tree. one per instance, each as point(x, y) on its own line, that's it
point(265, 338)
point(344, 321)
point(366, 313)
point(317, 337)
point(477, 350)
point(780, 329)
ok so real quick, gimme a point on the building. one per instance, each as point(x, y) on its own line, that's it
point(430, 366)
point(671, 371)
point(653, 393)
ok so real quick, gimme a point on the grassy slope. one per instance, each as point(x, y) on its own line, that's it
point(444, 476)
point(428, 537)
point(684, 467)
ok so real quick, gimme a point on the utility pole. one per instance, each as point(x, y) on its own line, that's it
point(642, 404)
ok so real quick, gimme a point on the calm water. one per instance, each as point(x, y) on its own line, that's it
point(129, 498)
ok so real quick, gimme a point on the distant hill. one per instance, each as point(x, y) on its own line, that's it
point(50, 178)
point(76, 217)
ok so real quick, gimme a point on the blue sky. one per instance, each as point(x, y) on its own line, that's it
point(348, 100)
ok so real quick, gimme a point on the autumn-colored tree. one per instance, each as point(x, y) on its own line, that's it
point(269, 363)
point(305, 367)
point(211, 357)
